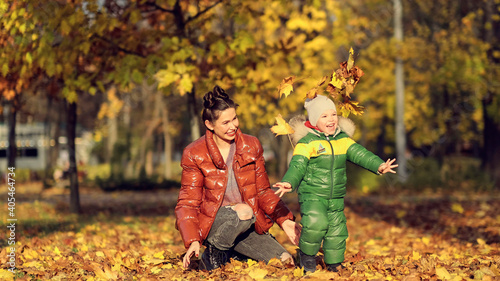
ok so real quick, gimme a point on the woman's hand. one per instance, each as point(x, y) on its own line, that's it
point(284, 187)
point(292, 230)
point(387, 166)
point(194, 248)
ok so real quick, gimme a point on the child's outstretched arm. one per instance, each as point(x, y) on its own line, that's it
point(284, 187)
point(387, 167)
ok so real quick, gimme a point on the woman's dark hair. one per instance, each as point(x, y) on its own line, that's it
point(215, 102)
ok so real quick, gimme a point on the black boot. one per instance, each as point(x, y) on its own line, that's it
point(334, 267)
point(307, 262)
point(213, 258)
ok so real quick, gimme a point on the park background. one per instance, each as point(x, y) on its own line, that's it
point(99, 98)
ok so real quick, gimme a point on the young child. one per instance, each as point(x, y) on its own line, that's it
point(318, 170)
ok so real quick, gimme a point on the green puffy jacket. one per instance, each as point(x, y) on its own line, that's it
point(318, 165)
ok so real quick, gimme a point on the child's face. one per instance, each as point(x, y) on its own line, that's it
point(328, 121)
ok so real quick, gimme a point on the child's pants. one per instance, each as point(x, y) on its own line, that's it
point(323, 220)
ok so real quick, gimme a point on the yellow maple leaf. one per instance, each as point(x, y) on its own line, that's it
point(286, 86)
point(442, 273)
point(337, 81)
point(282, 128)
point(6, 275)
point(159, 255)
point(99, 254)
point(251, 262)
point(298, 272)
point(426, 240)
point(258, 273)
point(35, 264)
point(416, 256)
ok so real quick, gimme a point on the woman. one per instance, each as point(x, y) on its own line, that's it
point(225, 201)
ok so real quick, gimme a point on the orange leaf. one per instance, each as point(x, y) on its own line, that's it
point(312, 93)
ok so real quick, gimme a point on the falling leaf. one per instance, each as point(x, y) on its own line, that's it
point(350, 61)
point(286, 86)
point(282, 128)
point(337, 81)
point(312, 93)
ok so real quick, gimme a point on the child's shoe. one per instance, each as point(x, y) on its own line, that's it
point(334, 267)
point(307, 262)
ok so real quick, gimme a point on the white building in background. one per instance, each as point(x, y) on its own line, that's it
point(32, 146)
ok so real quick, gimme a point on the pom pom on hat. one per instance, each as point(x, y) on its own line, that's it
point(315, 107)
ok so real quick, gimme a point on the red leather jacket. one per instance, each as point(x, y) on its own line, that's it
point(204, 179)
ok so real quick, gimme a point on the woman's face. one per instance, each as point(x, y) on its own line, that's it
point(225, 126)
point(328, 121)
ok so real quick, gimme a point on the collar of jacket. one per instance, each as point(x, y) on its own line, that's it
point(242, 155)
point(318, 132)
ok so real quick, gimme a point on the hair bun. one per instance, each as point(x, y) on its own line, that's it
point(210, 98)
point(220, 93)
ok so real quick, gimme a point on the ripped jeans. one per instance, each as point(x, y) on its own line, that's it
point(229, 232)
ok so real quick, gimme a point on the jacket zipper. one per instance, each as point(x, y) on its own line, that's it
point(331, 169)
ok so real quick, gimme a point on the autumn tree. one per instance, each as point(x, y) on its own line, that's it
point(18, 71)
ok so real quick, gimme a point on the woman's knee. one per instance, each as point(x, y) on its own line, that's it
point(244, 211)
point(286, 256)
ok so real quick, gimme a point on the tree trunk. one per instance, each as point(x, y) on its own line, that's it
point(194, 119)
point(491, 151)
point(12, 149)
point(74, 205)
point(167, 140)
point(153, 124)
point(400, 96)
point(48, 128)
point(491, 132)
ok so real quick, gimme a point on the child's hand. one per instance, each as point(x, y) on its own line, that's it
point(284, 187)
point(387, 166)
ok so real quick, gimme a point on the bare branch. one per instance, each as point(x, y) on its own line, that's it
point(115, 45)
point(203, 11)
point(158, 7)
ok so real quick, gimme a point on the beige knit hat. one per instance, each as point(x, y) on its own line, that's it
point(315, 107)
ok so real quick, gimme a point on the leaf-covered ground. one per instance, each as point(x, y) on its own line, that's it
point(131, 236)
